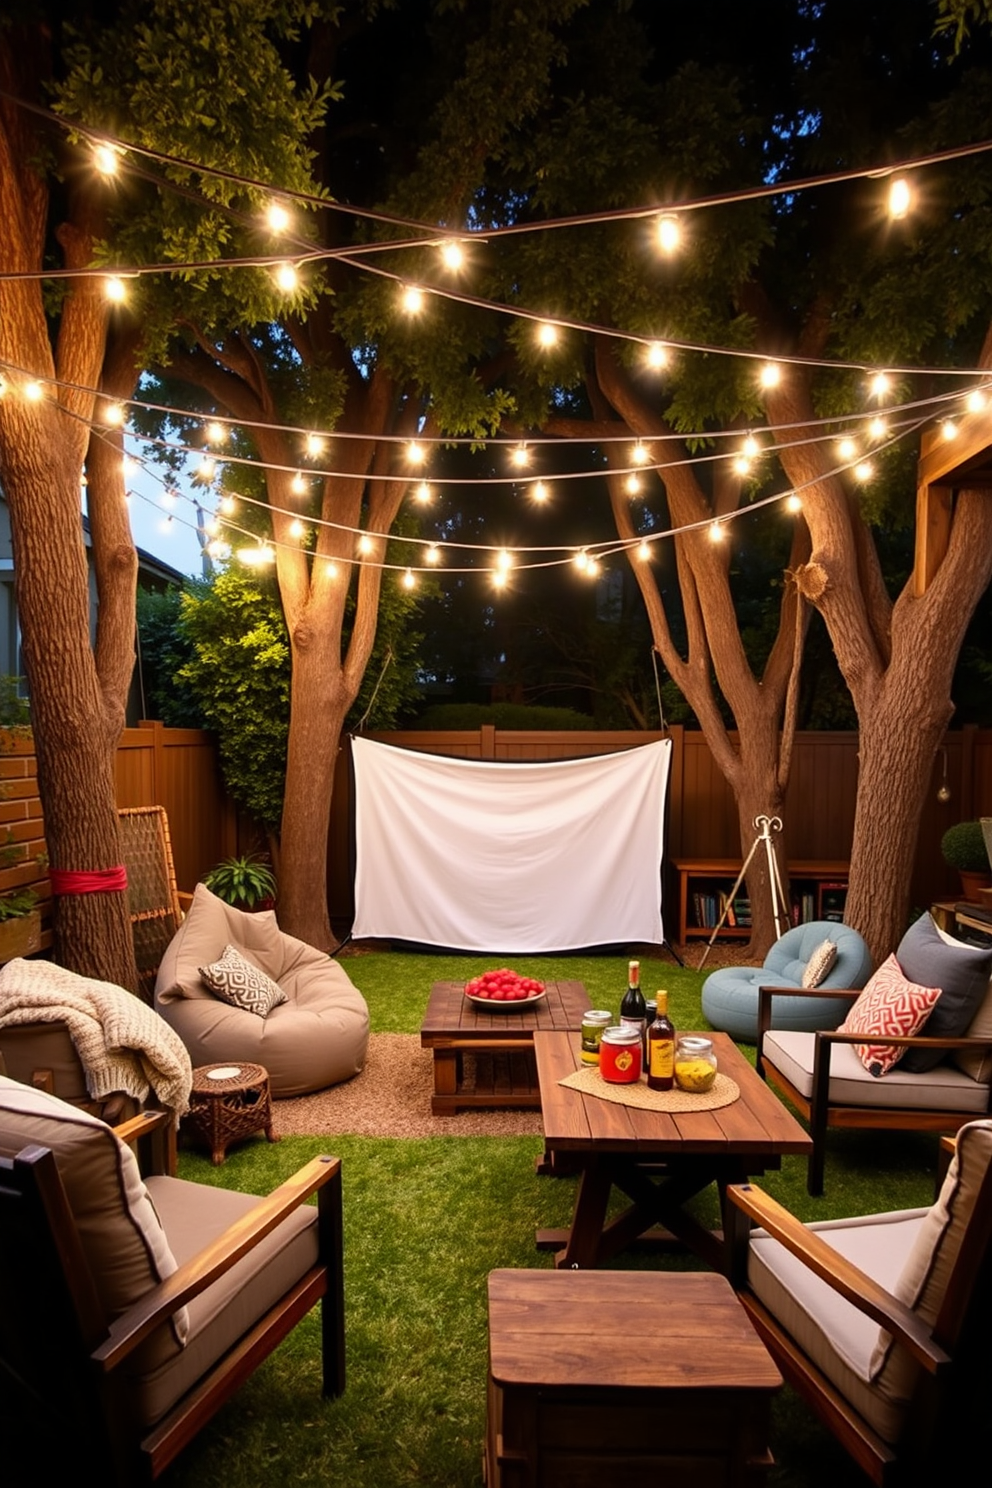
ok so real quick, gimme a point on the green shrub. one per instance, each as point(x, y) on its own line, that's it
point(963, 847)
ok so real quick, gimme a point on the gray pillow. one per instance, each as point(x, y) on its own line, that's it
point(962, 974)
point(235, 980)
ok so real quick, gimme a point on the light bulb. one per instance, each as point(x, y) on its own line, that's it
point(656, 355)
point(228, 505)
point(217, 549)
point(277, 218)
point(412, 299)
point(581, 561)
point(128, 466)
point(423, 492)
point(415, 453)
point(846, 449)
point(539, 492)
point(205, 470)
point(863, 471)
point(644, 551)
point(331, 569)
point(975, 401)
point(793, 503)
point(639, 454)
point(115, 289)
point(107, 159)
point(452, 255)
point(750, 447)
point(880, 384)
point(900, 198)
point(504, 560)
point(632, 485)
point(315, 446)
point(298, 485)
point(433, 554)
point(520, 456)
point(742, 466)
point(948, 429)
point(669, 231)
point(547, 334)
point(499, 578)
point(877, 428)
point(216, 433)
point(114, 415)
point(34, 391)
point(287, 278)
point(592, 568)
point(212, 527)
point(715, 532)
point(365, 544)
point(296, 528)
point(770, 375)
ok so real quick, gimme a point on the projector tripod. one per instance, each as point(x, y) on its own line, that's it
point(765, 825)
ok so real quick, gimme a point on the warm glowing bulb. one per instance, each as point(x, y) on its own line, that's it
point(644, 551)
point(539, 492)
point(750, 447)
point(581, 561)
point(205, 470)
point(520, 456)
point(592, 568)
point(415, 453)
point(863, 471)
point(412, 299)
point(212, 527)
point(409, 581)
point(115, 414)
point(228, 505)
point(716, 532)
point(114, 289)
point(423, 492)
point(499, 578)
point(880, 384)
point(433, 554)
point(900, 198)
point(315, 446)
point(547, 334)
point(639, 454)
point(976, 401)
point(257, 556)
point(504, 560)
point(949, 429)
point(770, 375)
point(217, 549)
point(669, 230)
point(287, 278)
point(34, 391)
point(298, 485)
point(128, 466)
point(793, 503)
point(632, 485)
point(296, 528)
point(216, 433)
point(365, 543)
point(846, 449)
point(107, 159)
point(452, 255)
point(742, 465)
point(656, 355)
point(331, 569)
point(877, 428)
point(277, 217)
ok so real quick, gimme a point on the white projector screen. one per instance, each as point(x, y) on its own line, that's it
point(477, 855)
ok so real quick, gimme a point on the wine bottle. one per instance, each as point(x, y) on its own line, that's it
point(633, 1008)
point(661, 1048)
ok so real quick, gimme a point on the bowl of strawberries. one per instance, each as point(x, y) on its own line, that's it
point(504, 991)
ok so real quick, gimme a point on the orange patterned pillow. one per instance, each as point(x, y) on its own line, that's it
point(889, 1004)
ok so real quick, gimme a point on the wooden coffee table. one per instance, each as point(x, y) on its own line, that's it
point(453, 1027)
point(658, 1160)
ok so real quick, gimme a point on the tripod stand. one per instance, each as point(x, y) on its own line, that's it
point(765, 825)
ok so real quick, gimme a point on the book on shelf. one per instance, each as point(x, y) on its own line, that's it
point(742, 912)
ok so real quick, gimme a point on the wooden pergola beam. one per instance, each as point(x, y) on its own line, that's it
point(945, 465)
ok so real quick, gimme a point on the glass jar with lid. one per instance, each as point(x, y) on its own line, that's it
point(695, 1063)
point(620, 1055)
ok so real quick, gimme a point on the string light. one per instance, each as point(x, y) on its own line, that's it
point(315, 446)
point(639, 454)
point(257, 556)
point(287, 278)
point(770, 375)
point(880, 385)
point(412, 299)
point(539, 492)
point(976, 401)
point(228, 505)
point(33, 391)
point(656, 355)
point(668, 230)
point(504, 562)
point(499, 578)
point(114, 289)
point(632, 485)
point(794, 502)
point(297, 529)
point(900, 198)
point(644, 551)
point(742, 465)
point(520, 456)
point(592, 568)
point(433, 554)
point(114, 415)
point(864, 471)
point(750, 448)
point(452, 255)
point(877, 428)
point(277, 217)
point(846, 449)
point(423, 492)
point(205, 470)
point(107, 159)
point(415, 453)
point(547, 334)
point(298, 485)
point(715, 532)
point(216, 432)
point(949, 429)
point(365, 544)
point(409, 581)
point(581, 560)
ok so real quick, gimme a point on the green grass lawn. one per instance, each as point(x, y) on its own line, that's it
point(425, 1222)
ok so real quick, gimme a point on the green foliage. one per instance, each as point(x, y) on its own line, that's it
point(14, 710)
point(963, 847)
point(503, 715)
point(242, 881)
point(163, 652)
point(17, 903)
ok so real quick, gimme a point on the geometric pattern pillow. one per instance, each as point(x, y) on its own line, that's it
point(889, 1004)
point(237, 981)
point(819, 964)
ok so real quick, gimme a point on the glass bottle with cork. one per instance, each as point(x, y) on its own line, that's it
point(661, 1047)
point(633, 1008)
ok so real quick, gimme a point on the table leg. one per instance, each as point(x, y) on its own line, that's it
point(582, 1249)
point(446, 1072)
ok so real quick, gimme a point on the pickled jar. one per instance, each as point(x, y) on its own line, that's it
point(620, 1055)
point(695, 1063)
point(594, 1021)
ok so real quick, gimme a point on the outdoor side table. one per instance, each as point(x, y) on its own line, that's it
point(229, 1102)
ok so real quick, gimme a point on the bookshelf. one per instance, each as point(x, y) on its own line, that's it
point(817, 891)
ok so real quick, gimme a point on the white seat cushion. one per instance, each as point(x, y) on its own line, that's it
point(945, 1088)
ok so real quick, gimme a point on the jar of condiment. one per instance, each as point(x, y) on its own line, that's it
point(695, 1063)
point(593, 1024)
point(620, 1055)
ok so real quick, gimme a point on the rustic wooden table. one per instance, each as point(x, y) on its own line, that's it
point(658, 1160)
point(624, 1380)
point(453, 1027)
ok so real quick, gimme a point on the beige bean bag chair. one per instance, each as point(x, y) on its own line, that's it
point(318, 1036)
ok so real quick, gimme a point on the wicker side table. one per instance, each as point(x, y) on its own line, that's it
point(228, 1102)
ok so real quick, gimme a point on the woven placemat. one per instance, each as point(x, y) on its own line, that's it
point(723, 1092)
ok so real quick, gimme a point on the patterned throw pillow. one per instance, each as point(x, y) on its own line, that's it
point(889, 1004)
point(237, 981)
point(819, 963)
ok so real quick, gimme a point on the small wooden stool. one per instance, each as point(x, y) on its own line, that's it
point(228, 1102)
point(624, 1379)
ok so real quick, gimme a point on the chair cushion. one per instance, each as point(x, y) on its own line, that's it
point(944, 1088)
point(923, 1280)
point(960, 971)
point(124, 1243)
point(819, 963)
point(193, 1216)
point(838, 1338)
point(236, 980)
point(889, 1004)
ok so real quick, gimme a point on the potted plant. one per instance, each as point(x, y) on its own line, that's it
point(247, 882)
point(963, 847)
point(20, 924)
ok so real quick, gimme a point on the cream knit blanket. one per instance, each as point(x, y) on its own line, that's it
point(123, 1045)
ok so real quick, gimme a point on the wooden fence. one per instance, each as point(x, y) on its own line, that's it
point(177, 768)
